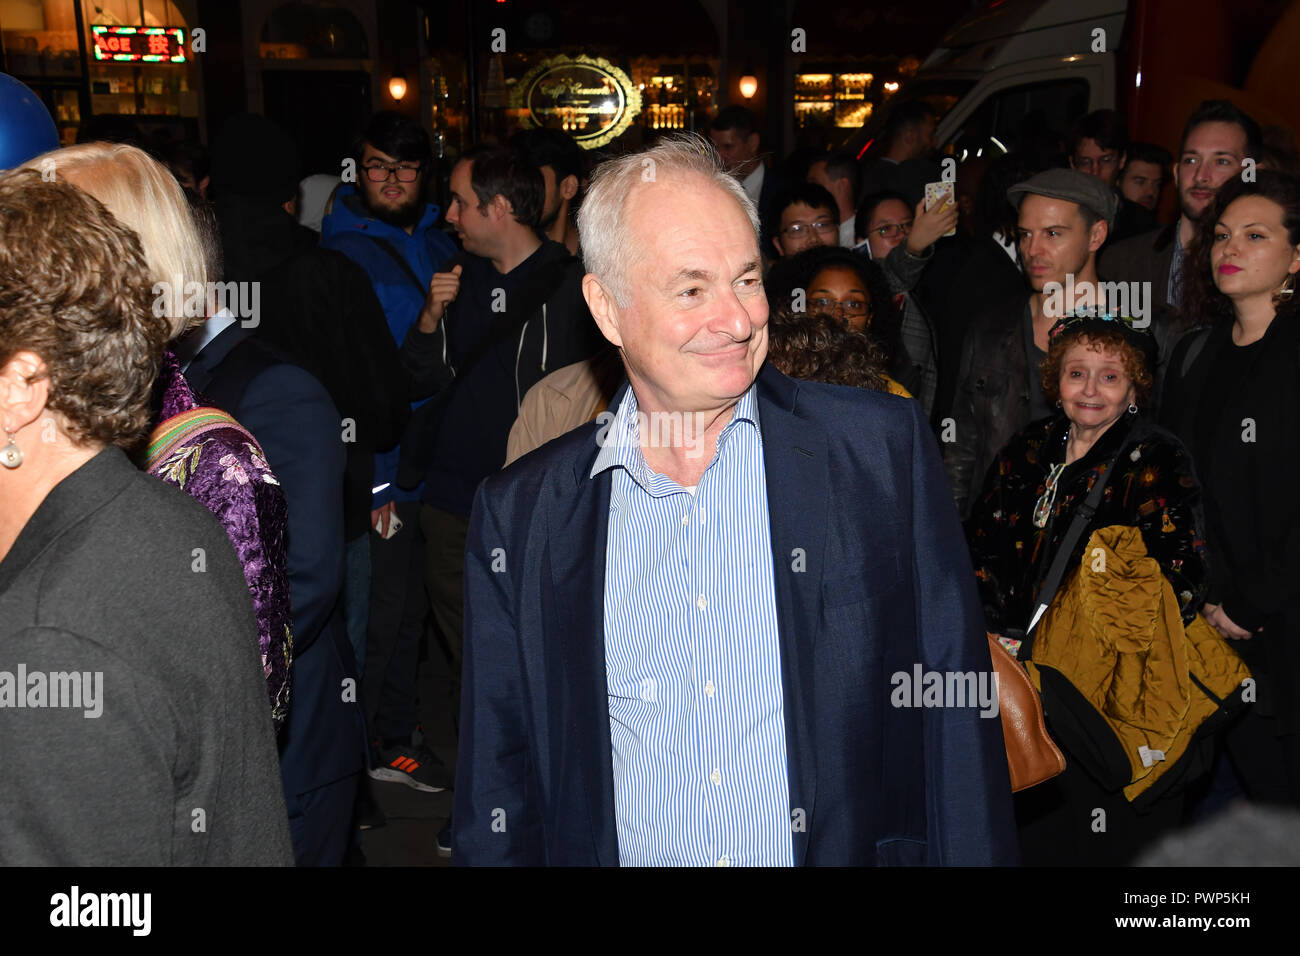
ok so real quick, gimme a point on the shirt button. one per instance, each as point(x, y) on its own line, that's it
point(723, 862)
point(701, 602)
point(700, 515)
point(716, 777)
point(708, 688)
point(686, 519)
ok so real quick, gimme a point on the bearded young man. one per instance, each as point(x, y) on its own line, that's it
point(1217, 139)
point(384, 225)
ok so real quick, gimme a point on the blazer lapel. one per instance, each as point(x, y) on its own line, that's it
point(204, 365)
point(578, 526)
point(798, 491)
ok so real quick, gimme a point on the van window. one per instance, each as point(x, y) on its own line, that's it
point(1035, 117)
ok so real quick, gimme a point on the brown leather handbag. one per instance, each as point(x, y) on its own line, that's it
point(1032, 755)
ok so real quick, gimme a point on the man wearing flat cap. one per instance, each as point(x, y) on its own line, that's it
point(1065, 216)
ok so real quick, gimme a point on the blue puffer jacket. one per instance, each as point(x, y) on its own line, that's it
point(349, 228)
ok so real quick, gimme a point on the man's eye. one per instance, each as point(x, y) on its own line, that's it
point(692, 292)
point(751, 281)
point(1053, 233)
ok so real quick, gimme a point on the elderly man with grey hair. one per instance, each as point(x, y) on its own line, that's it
point(692, 627)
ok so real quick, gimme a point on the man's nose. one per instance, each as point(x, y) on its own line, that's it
point(732, 317)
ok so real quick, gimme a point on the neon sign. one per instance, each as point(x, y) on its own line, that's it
point(139, 44)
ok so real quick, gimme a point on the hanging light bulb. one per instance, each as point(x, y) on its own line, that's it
point(397, 85)
point(748, 86)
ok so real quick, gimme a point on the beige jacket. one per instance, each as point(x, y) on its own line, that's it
point(563, 400)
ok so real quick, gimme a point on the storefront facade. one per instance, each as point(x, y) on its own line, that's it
point(95, 61)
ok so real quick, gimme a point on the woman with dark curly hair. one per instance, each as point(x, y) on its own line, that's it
point(1232, 392)
point(841, 282)
point(1098, 374)
point(139, 706)
point(818, 347)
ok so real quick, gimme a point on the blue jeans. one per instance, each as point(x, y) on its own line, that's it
point(356, 598)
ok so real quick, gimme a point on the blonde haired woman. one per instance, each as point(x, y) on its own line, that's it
point(197, 448)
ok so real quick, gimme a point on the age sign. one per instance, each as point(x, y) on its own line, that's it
point(139, 44)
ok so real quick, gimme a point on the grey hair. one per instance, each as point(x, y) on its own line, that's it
point(607, 248)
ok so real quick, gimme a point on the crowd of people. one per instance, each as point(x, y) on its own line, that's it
point(678, 471)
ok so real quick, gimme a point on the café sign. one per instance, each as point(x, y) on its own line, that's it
point(587, 97)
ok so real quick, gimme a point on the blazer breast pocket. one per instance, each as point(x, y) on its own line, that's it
point(873, 577)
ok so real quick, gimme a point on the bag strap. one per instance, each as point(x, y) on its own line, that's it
point(1082, 518)
point(1194, 348)
point(393, 253)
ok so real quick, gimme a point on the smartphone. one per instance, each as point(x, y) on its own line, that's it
point(936, 193)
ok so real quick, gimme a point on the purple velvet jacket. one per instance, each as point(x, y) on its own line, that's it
point(214, 460)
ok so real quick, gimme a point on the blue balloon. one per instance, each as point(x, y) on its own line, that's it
point(26, 128)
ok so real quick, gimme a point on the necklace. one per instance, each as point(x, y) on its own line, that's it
point(1044, 507)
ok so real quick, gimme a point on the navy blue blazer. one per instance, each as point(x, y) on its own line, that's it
point(855, 486)
point(293, 418)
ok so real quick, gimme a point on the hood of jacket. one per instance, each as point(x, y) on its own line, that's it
point(350, 213)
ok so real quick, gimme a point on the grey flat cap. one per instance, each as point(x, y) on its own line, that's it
point(1072, 186)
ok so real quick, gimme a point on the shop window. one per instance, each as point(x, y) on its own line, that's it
point(301, 31)
point(126, 13)
point(138, 74)
point(40, 38)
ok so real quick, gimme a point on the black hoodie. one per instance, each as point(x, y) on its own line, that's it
point(537, 322)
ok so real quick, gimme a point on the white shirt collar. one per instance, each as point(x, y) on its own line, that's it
point(753, 184)
point(846, 232)
point(188, 346)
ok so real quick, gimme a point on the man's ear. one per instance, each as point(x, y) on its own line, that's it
point(1097, 235)
point(776, 243)
point(24, 390)
point(500, 208)
point(603, 308)
point(569, 187)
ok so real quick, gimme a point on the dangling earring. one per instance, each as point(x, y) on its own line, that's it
point(1284, 294)
point(11, 456)
point(1132, 409)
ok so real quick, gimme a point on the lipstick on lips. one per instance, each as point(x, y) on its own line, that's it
point(1228, 269)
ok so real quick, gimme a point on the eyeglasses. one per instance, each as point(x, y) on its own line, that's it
point(821, 227)
point(847, 306)
point(379, 172)
point(891, 229)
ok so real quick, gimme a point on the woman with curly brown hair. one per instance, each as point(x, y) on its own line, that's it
point(1232, 392)
point(135, 708)
point(1098, 374)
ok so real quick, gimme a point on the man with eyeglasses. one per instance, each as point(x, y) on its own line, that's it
point(384, 224)
point(806, 216)
point(901, 239)
point(1098, 147)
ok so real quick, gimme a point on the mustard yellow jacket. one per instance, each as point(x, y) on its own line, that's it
point(1114, 633)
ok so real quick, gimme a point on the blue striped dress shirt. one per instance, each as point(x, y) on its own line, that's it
point(692, 657)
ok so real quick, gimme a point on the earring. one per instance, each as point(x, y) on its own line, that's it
point(1132, 409)
point(1285, 293)
point(11, 456)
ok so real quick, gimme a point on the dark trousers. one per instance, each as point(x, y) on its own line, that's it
point(320, 822)
point(398, 613)
point(1071, 821)
point(1269, 765)
point(444, 576)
